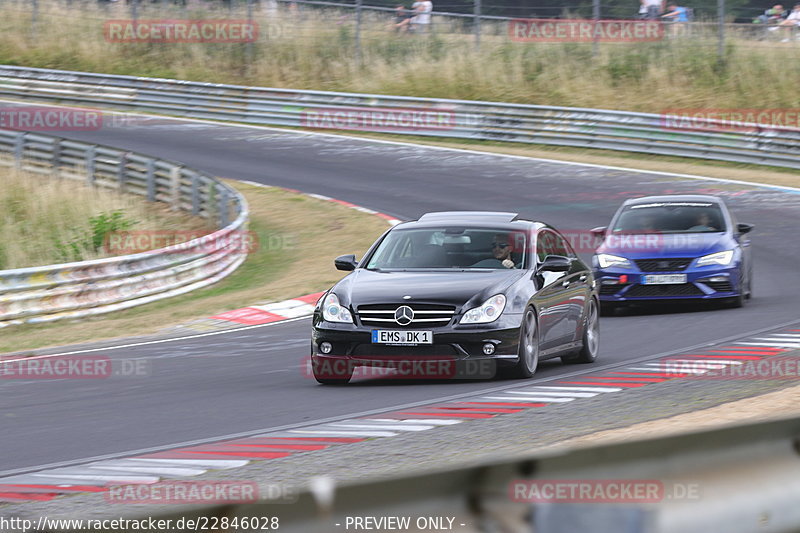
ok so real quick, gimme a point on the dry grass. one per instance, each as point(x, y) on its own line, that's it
point(315, 51)
point(299, 237)
point(45, 220)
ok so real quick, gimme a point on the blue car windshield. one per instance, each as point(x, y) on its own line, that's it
point(670, 217)
point(450, 248)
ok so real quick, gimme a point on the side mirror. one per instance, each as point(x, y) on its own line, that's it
point(345, 262)
point(598, 231)
point(555, 263)
point(741, 227)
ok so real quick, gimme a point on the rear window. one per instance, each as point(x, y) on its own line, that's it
point(671, 217)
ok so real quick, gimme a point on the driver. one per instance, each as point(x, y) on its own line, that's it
point(703, 223)
point(501, 253)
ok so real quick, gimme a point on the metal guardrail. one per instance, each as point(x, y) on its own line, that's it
point(86, 288)
point(463, 119)
point(737, 479)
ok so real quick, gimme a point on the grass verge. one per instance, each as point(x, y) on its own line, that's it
point(315, 50)
point(298, 238)
point(45, 221)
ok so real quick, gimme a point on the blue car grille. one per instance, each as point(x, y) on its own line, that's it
point(655, 291)
point(607, 289)
point(664, 265)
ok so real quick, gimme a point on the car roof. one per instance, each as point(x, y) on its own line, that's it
point(673, 198)
point(494, 219)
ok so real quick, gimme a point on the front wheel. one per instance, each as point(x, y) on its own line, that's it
point(528, 346)
point(591, 337)
point(332, 372)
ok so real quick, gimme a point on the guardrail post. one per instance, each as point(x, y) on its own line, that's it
point(175, 185)
point(223, 207)
point(91, 152)
point(19, 149)
point(121, 170)
point(55, 159)
point(195, 195)
point(151, 180)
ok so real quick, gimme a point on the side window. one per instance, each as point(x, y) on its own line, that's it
point(545, 244)
point(549, 243)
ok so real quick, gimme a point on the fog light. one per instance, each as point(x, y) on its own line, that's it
point(325, 347)
point(488, 348)
point(718, 278)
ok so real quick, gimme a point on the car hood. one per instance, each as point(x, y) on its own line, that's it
point(650, 245)
point(455, 287)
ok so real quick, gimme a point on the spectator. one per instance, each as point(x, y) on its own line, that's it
point(422, 18)
point(653, 8)
point(679, 18)
point(791, 22)
point(401, 19)
point(772, 15)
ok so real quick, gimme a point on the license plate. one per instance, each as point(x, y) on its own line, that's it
point(401, 336)
point(664, 279)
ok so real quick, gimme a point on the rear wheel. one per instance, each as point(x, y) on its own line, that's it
point(591, 337)
point(528, 346)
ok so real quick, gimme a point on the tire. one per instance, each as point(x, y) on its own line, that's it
point(528, 346)
point(738, 301)
point(591, 337)
point(334, 375)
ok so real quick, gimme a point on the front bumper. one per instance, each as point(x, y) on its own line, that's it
point(453, 342)
point(703, 283)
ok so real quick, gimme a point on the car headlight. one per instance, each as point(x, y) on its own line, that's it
point(488, 311)
point(608, 261)
point(332, 311)
point(719, 258)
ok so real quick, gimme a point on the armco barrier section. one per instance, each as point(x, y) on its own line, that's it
point(86, 288)
point(561, 126)
point(728, 480)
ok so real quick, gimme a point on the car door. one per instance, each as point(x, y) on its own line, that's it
point(552, 297)
point(577, 285)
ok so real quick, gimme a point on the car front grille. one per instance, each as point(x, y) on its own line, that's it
point(649, 291)
point(425, 315)
point(664, 265)
point(607, 289)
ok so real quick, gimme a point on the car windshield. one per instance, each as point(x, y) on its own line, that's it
point(671, 217)
point(450, 248)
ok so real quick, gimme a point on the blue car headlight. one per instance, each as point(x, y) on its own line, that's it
point(332, 311)
point(718, 258)
point(608, 261)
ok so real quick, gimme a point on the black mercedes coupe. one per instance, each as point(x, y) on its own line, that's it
point(457, 295)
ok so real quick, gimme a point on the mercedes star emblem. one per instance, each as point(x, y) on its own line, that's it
point(404, 315)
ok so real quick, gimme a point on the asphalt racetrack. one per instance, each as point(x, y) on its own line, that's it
point(230, 383)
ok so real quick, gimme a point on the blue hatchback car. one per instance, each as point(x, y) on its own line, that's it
point(673, 247)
